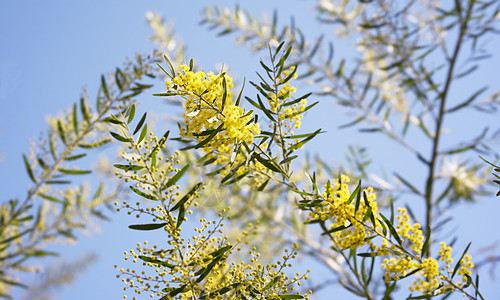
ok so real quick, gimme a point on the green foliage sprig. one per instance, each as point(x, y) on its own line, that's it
point(48, 214)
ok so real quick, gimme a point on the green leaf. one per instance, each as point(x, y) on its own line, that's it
point(119, 77)
point(338, 228)
point(75, 120)
point(268, 163)
point(74, 172)
point(237, 103)
point(407, 184)
point(50, 198)
point(368, 254)
point(224, 95)
point(57, 182)
point(253, 103)
point(291, 296)
point(158, 146)
point(174, 292)
point(151, 226)
point(131, 113)
point(144, 131)
point(128, 167)
point(410, 273)
point(155, 261)
point(42, 253)
point(172, 70)
point(266, 111)
point(285, 56)
point(220, 291)
point(265, 67)
point(238, 178)
point(297, 100)
point(142, 194)
point(167, 94)
point(262, 186)
point(299, 136)
point(180, 216)
point(455, 269)
point(271, 283)
point(75, 157)
point(14, 283)
point(83, 109)
point(28, 168)
point(51, 146)
point(288, 159)
point(104, 87)
point(209, 138)
point(14, 237)
point(205, 271)
point(61, 131)
point(277, 50)
point(425, 247)
point(139, 125)
point(188, 195)
point(392, 230)
point(354, 193)
point(176, 177)
point(120, 138)
point(301, 143)
point(96, 144)
point(113, 120)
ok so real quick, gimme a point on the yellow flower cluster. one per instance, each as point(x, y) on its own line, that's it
point(180, 267)
point(205, 110)
point(353, 227)
point(255, 281)
point(208, 107)
point(431, 278)
point(335, 206)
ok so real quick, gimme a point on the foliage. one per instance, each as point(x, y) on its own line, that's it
point(51, 212)
point(274, 199)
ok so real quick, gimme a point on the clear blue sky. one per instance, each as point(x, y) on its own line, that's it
point(50, 49)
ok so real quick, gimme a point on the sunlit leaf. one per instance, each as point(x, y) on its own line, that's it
point(142, 194)
point(173, 180)
point(141, 121)
point(120, 138)
point(74, 172)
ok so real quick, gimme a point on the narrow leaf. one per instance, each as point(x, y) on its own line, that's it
point(128, 167)
point(61, 131)
point(144, 131)
point(75, 120)
point(74, 172)
point(187, 196)
point(459, 261)
point(120, 138)
point(176, 177)
point(139, 125)
point(131, 113)
point(392, 230)
point(142, 194)
point(28, 168)
point(151, 226)
point(425, 247)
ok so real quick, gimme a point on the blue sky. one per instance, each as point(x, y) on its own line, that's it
point(50, 49)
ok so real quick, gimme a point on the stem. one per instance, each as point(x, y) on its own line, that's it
point(440, 118)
